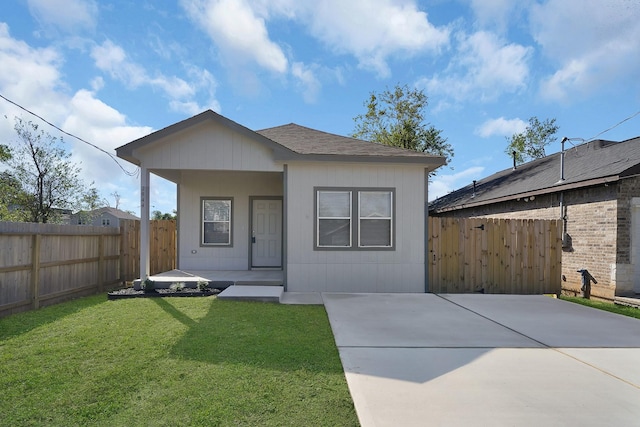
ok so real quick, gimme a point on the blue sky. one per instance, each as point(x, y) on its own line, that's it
point(112, 71)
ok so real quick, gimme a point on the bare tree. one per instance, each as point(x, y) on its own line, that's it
point(49, 180)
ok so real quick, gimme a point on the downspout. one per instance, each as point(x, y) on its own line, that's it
point(563, 217)
point(563, 208)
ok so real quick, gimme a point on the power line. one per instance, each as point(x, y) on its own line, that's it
point(72, 135)
point(614, 126)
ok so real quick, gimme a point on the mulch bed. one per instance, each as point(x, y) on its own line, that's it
point(186, 292)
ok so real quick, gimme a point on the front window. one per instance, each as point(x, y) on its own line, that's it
point(216, 222)
point(354, 218)
point(375, 213)
point(334, 218)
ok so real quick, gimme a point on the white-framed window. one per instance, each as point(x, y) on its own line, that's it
point(354, 218)
point(375, 216)
point(216, 221)
point(333, 219)
point(105, 222)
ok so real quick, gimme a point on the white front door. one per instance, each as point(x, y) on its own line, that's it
point(266, 236)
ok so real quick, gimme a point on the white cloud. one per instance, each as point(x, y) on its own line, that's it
point(501, 127)
point(483, 68)
point(31, 77)
point(307, 81)
point(65, 15)
point(113, 60)
point(496, 14)
point(98, 123)
point(445, 184)
point(239, 33)
point(374, 30)
point(594, 44)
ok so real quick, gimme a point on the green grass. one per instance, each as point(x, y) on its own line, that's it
point(171, 362)
point(607, 306)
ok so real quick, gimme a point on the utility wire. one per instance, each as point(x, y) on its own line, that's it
point(129, 173)
point(614, 126)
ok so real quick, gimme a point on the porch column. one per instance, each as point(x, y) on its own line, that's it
point(144, 223)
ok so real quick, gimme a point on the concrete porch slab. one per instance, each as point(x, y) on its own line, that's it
point(252, 293)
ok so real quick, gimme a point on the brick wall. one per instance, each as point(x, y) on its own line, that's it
point(598, 226)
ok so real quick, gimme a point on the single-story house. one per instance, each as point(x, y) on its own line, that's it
point(593, 187)
point(332, 213)
point(105, 217)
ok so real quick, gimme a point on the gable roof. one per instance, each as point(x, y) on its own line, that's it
point(595, 162)
point(126, 151)
point(113, 211)
point(294, 142)
point(307, 141)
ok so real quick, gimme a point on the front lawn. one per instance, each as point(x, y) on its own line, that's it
point(171, 362)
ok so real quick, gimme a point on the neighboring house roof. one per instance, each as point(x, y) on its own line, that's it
point(595, 162)
point(294, 142)
point(112, 211)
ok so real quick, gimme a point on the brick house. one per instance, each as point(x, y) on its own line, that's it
point(594, 187)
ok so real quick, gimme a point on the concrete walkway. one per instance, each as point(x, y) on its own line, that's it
point(486, 360)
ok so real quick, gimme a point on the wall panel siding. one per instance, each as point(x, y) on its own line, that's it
point(240, 186)
point(208, 146)
point(400, 270)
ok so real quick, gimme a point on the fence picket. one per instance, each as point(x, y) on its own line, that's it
point(508, 256)
point(42, 264)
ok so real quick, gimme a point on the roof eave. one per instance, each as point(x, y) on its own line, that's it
point(548, 190)
point(431, 162)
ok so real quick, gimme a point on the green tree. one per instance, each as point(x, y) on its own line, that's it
point(166, 215)
point(48, 180)
point(398, 118)
point(530, 144)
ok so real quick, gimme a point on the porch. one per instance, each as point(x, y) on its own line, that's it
point(249, 285)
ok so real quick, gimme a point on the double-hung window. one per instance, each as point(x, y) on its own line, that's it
point(375, 215)
point(353, 219)
point(334, 219)
point(216, 222)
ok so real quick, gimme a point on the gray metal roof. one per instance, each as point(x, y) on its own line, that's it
point(587, 164)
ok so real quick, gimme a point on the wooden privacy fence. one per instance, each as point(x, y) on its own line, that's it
point(42, 264)
point(162, 252)
point(499, 256)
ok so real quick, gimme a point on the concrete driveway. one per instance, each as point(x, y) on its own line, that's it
point(486, 360)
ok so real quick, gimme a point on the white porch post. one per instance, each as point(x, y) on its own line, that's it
point(144, 223)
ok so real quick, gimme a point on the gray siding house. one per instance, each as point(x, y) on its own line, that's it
point(105, 217)
point(596, 194)
point(332, 213)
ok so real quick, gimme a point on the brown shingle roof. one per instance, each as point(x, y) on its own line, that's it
point(304, 140)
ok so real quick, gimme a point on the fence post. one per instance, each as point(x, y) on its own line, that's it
point(35, 270)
